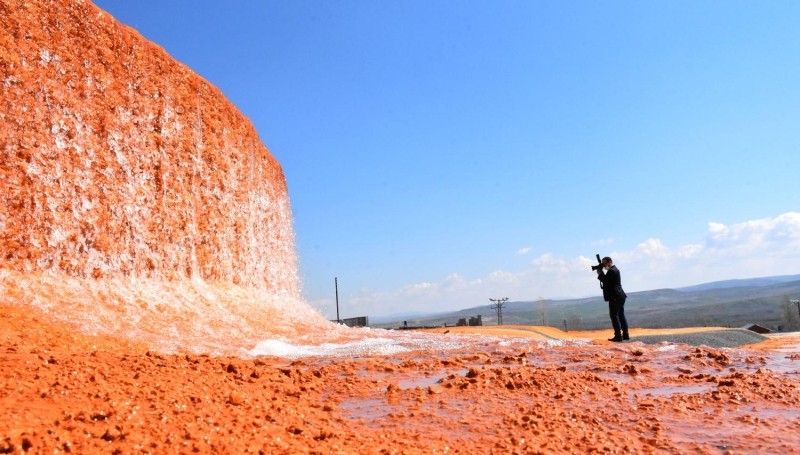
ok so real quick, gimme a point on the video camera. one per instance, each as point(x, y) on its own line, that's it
point(599, 264)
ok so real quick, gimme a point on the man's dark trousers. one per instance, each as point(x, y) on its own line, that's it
point(616, 309)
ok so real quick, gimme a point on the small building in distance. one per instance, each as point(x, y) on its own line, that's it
point(361, 321)
point(757, 328)
point(473, 321)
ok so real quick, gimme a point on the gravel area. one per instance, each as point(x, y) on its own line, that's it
point(729, 338)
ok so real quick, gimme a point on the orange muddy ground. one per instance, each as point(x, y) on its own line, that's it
point(62, 392)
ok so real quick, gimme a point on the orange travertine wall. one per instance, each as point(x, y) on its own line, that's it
point(117, 160)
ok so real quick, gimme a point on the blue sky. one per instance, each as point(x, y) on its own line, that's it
point(441, 153)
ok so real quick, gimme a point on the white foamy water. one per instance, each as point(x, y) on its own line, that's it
point(365, 342)
point(171, 316)
point(367, 347)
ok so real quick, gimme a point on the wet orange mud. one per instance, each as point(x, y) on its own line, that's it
point(64, 392)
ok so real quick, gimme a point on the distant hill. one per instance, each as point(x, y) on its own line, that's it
point(766, 281)
point(409, 316)
point(730, 303)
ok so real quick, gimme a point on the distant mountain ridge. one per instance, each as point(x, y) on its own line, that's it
point(764, 281)
point(728, 303)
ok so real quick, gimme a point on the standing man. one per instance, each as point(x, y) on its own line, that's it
point(615, 296)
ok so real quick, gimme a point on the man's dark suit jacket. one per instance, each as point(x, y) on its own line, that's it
point(612, 284)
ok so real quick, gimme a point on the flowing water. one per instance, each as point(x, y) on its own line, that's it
point(180, 252)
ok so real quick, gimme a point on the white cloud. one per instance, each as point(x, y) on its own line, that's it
point(421, 286)
point(524, 251)
point(763, 247)
point(782, 231)
point(501, 276)
point(689, 251)
point(652, 248)
point(455, 281)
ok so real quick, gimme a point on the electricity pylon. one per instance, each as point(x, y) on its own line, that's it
point(498, 305)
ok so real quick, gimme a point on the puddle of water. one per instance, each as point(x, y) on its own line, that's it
point(785, 360)
point(674, 390)
point(421, 382)
point(366, 408)
point(728, 432)
point(768, 413)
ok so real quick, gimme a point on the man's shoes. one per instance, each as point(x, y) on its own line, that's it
point(625, 337)
point(616, 339)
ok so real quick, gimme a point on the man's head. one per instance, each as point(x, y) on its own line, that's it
point(607, 262)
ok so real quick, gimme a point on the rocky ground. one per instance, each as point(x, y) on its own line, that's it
point(543, 391)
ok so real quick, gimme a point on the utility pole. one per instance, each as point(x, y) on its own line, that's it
point(498, 305)
point(542, 311)
point(336, 284)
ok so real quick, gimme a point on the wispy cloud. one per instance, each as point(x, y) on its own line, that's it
point(763, 247)
point(524, 251)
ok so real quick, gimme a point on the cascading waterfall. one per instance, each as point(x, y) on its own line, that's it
point(135, 200)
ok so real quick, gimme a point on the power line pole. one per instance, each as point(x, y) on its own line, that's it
point(336, 284)
point(498, 305)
